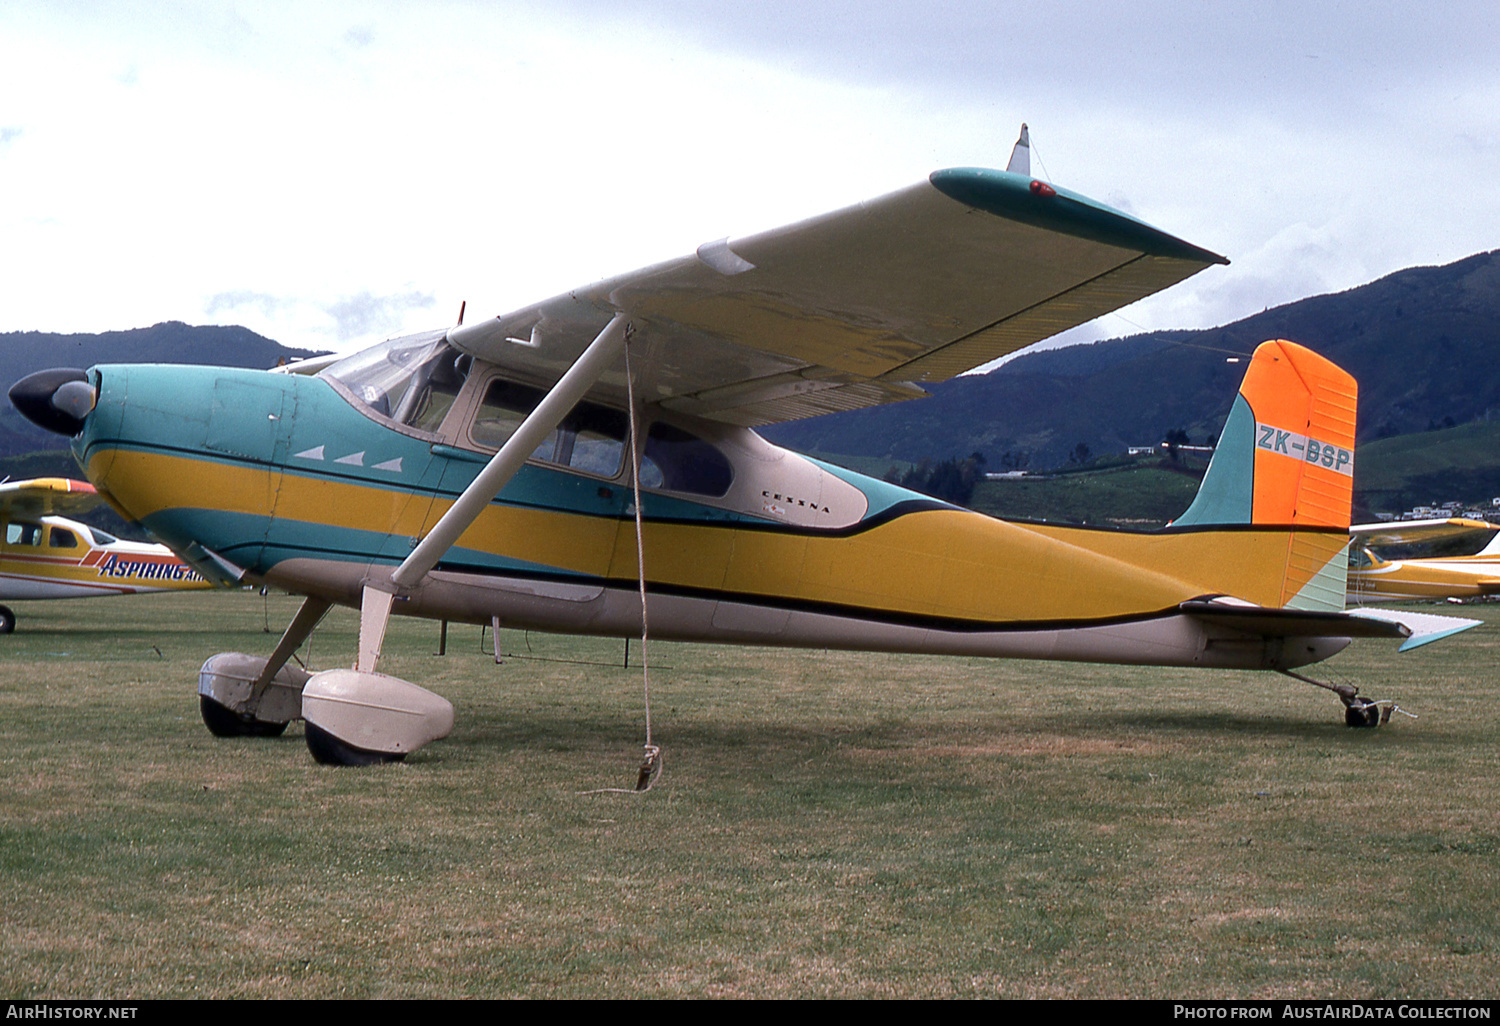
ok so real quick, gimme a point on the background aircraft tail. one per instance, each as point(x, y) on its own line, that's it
point(1286, 460)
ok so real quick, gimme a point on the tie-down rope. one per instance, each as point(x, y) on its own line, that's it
point(651, 761)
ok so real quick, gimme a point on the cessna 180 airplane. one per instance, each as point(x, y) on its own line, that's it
point(490, 471)
point(43, 556)
point(1416, 559)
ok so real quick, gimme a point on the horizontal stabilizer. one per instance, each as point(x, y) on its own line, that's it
point(1424, 627)
point(1416, 628)
point(1271, 622)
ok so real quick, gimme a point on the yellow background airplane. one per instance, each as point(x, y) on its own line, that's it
point(1424, 559)
point(573, 464)
point(44, 556)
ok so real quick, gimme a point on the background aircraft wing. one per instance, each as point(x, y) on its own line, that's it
point(1412, 532)
point(1408, 539)
point(857, 307)
point(46, 496)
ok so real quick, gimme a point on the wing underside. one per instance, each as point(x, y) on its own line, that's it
point(855, 308)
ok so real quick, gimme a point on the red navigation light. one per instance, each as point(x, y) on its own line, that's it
point(1042, 189)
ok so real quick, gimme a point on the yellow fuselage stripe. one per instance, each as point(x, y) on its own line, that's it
point(939, 562)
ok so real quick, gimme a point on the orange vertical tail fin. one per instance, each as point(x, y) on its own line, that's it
point(1286, 459)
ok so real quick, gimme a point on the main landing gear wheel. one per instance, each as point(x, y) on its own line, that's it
point(225, 722)
point(330, 751)
point(7, 620)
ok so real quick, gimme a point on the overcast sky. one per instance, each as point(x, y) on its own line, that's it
point(328, 174)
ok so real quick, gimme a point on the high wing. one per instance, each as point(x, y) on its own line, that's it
point(857, 307)
point(46, 496)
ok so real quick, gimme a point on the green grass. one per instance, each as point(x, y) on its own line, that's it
point(828, 824)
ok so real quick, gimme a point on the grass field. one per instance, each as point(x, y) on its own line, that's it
point(827, 825)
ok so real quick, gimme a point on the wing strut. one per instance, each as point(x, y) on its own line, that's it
point(375, 607)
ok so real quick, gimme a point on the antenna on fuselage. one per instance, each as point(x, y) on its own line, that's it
point(461, 307)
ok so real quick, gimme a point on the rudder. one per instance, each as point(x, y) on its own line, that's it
point(1286, 459)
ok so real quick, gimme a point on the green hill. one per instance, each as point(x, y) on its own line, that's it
point(1391, 475)
point(1429, 468)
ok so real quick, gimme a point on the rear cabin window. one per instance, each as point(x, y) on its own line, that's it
point(676, 461)
point(590, 439)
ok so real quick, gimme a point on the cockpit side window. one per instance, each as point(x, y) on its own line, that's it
point(61, 538)
point(19, 532)
point(504, 407)
point(590, 439)
point(677, 461)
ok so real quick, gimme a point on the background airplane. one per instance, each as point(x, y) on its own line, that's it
point(1424, 559)
point(566, 466)
point(43, 556)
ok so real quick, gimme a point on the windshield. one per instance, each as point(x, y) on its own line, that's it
point(411, 380)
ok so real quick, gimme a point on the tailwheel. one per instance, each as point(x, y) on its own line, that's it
point(7, 620)
point(1358, 711)
point(223, 721)
point(330, 751)
point(1364, 712)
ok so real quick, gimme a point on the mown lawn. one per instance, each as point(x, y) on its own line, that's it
point(828, 824)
